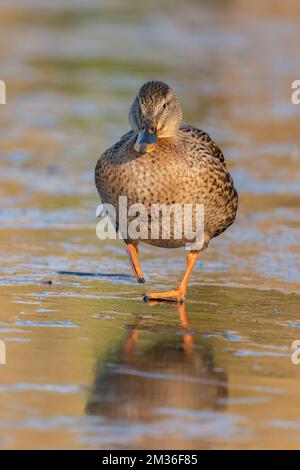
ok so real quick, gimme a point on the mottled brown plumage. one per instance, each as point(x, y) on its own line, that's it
point(163, 161)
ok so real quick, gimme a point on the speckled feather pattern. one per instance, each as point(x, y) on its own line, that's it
point(187, 168)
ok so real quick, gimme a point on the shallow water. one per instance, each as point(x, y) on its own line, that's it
point(89, 365)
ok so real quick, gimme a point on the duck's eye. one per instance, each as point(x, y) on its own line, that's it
point(164, 105)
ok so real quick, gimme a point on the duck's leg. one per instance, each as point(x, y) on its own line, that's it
point(129, 345)
point(133, 252)
point(177, 295)
point(188, 341)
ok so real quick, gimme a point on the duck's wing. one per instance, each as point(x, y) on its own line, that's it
point(202, 140)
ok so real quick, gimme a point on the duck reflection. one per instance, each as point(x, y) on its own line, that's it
point(151, 380)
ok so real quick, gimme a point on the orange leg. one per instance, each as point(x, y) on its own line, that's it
point(133, 252)
point(177, 295)
point(129, 345)
point(188, 341)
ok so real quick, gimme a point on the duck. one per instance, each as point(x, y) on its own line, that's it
point(162, 162)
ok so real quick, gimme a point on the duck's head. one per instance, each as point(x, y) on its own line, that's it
point(154, 114)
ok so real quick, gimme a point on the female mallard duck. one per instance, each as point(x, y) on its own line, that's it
point(161, 161)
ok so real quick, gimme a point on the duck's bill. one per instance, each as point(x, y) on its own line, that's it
point(146, 141)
